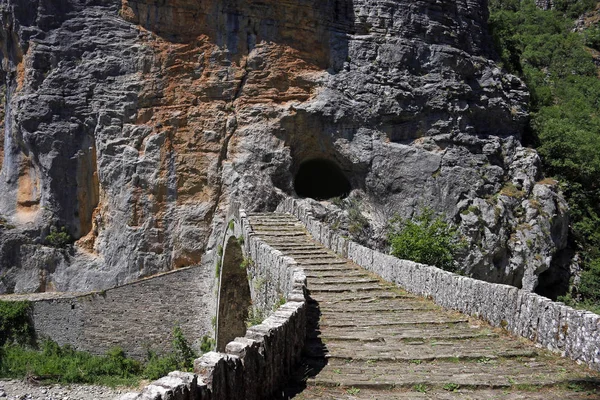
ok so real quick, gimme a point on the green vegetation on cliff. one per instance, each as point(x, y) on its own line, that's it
point(426, 239)
point(557, 65)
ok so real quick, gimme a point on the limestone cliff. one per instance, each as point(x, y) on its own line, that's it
point(134, 123)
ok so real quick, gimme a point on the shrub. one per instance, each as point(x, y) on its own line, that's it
point(207, 344)
point(156, 366)
point(15, 323)
point(58, 238)
point(183, 352)
point(426, 239)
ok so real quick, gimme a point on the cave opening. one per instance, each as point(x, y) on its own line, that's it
point(321, 179)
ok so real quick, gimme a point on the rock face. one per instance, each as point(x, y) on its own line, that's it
point(135, 123)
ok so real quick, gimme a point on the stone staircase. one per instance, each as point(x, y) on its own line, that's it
point(368, 339)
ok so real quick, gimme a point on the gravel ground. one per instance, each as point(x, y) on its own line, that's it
point(19, 390)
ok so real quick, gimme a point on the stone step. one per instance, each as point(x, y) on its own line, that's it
point(398, 324)
point(280, 234)
point(313, 392)
point(336, 273)
point(406, 354)
point(468, 373)
point(316, 256)
point(338, 268)
point(276, 223)
point(317, 282)
point(349, 297)
point(319, 263)
point(384, 306)
point(347, 287)
point(308, 253)
point(416, 331)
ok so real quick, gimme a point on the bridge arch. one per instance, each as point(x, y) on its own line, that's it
point(234, 295)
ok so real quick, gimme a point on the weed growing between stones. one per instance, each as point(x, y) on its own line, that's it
point(420, 387)
point(281, 300)
point(255, 316)
point(353, 391)
point(451, 387)
point(246, 262)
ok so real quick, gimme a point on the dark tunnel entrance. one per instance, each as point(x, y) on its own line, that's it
point(321, 179)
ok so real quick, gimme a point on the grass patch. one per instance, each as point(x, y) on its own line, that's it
point(66, 365)
point(52, 363)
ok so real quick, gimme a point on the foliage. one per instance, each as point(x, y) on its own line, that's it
point(358, 224)
point(246, 262)
point(15, 326)
point(54, 363)
point(207, 344)
point(65, 365)
point(592, 37)
point(565, 110)
point(255, 316)
point(158, 366)
point(426, 239)
point(58, 238)
point(183, 352)
point(4, 223)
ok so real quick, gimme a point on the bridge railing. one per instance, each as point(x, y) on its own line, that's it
point(553, 325)
point(252, 367)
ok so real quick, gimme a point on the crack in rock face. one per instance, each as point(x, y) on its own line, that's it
point(135, 124)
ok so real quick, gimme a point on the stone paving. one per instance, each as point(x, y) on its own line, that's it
point(368, 339)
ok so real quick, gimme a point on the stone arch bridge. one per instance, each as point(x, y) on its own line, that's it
point(342, 322)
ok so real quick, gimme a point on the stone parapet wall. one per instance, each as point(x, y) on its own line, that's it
point(136, 317)
point(252, 367)
point(573, 333)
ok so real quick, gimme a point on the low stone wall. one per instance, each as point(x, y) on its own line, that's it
point(252, 367)
point(137, 316)
point(573, 333)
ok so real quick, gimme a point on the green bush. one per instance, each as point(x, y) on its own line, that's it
point(58, 238)
point(15, 323)
point(158, 366)
point(426, 239)
point(207, 344)
point(183, 352)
